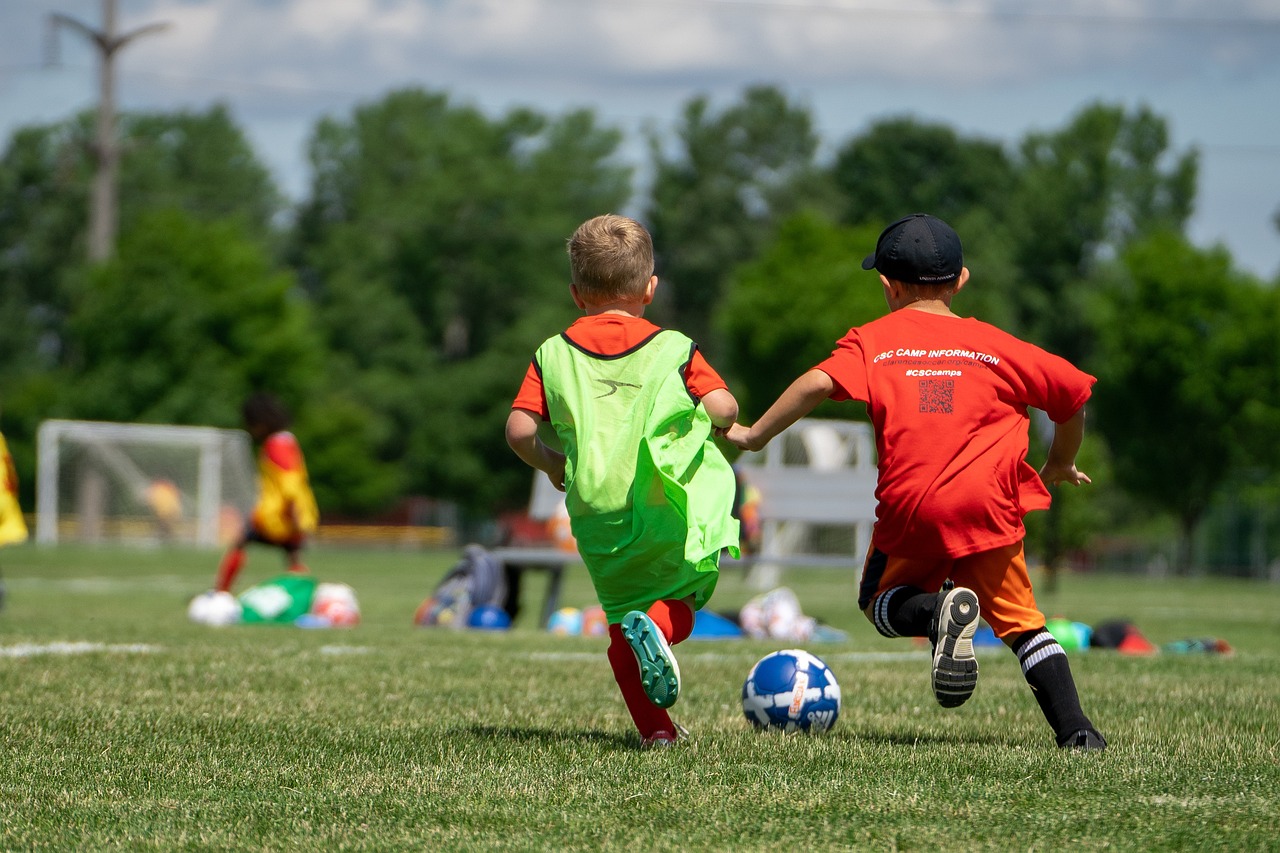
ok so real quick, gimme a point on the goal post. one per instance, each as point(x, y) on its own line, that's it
point(141, 483)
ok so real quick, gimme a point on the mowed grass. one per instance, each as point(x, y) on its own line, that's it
point(127, 727)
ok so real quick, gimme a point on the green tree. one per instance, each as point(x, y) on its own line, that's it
point(1187, 368)
point(719, 188)
point(786, 309)
point(198, 162)
point(901, 166)
point(433, 244)
point(182, 325)
point(1084, 193)
point(44, 180)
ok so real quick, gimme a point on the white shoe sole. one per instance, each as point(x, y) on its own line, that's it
point(955, 668)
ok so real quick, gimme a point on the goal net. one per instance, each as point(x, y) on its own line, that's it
point(141, 483)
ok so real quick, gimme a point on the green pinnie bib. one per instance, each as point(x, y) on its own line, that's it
point(649, 495)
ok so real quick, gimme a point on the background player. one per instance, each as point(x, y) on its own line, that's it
point(13, 527)
point(285, 514)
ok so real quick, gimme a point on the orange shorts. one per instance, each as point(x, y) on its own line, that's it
point(998, 577)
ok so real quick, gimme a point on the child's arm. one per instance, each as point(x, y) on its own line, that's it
point(522, 435)
point(722, 407)
point(1060, 467)
point(801, 398)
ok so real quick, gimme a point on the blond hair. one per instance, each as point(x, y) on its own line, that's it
point(610, 257)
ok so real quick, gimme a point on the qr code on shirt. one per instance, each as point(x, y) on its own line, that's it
point(936, 396)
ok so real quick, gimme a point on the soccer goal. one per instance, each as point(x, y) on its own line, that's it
point(141, 483)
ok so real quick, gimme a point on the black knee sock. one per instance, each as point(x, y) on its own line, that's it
point(1045, 666)
point(904, 611)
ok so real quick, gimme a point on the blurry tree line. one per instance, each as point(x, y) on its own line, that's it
point(396, 306)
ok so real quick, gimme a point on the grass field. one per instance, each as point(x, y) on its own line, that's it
point(126, 726)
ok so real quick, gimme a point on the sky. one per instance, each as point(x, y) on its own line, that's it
point(996, 69)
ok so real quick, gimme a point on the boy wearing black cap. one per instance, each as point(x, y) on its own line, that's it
point(948, 397)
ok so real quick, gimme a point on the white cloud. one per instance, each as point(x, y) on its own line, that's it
point(998, 67)
point(956, 45)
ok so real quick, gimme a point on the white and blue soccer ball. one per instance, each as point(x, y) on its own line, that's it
point(791, 690)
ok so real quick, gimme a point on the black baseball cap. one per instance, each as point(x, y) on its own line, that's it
point(919, 249)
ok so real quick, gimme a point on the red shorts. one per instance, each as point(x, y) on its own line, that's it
point(998, 577)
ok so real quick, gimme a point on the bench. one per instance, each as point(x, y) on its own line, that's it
point(816, 481)
point(549, 560)
point(817, 477)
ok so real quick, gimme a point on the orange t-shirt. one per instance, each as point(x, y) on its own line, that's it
point(948, 398)
point(613, 334)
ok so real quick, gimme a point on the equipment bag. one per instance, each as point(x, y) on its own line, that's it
point(477, 580)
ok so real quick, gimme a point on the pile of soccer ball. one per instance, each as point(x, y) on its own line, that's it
point(791, 690)
point(307, 605)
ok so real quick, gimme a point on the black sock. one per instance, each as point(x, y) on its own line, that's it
point(904, 611)
point(1045, 666)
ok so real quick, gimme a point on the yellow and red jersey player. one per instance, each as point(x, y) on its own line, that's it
point(285, 513)
point(13, 527)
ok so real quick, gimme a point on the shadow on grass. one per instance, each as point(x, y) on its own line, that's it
point(613, 740)
point(548, 737)
point(935, 738)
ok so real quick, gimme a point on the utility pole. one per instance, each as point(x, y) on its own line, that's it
point(103, 204)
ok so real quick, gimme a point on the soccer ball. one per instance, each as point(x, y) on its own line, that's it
point(488, 617)
point(566, 622)
point(335, 605)
point(214, 608)
point(791, 690)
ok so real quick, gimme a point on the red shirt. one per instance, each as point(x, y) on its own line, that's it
point(282, 450)
point(611, 334)
point(948, 398)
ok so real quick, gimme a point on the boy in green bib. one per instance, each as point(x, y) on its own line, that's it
point(649, 495)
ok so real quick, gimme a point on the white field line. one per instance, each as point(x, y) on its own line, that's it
point(108, 585)
point(27, 650)
point(345, 650)
point(719, 656)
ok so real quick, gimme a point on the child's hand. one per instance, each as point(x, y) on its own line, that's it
point(1052, 474)
point(740, 437)
point(556, 474)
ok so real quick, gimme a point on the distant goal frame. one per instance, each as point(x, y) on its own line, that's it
point(210, 492)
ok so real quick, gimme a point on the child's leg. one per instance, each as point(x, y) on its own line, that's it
point(650, 720)
point(232, 561)
point(1048, 672)
point(892, 598)
point(293, 555)
point(674, 618)
point(1004, 587)
point(650, 635)
point(892, 593)
point(903, 611)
